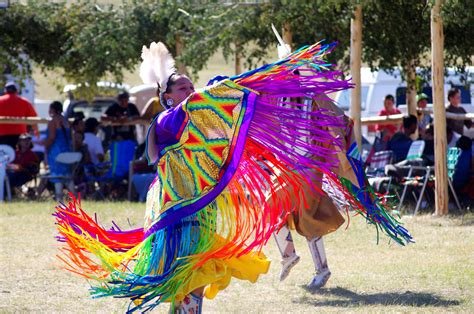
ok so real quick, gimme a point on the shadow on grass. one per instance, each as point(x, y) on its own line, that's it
point(349, 298)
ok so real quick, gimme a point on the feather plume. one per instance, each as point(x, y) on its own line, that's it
point(157, 65)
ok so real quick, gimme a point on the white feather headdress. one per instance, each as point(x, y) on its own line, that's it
point(157, 65)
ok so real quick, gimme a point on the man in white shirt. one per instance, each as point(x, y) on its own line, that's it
point(94, 144)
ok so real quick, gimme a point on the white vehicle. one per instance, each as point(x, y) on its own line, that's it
point(376, 85)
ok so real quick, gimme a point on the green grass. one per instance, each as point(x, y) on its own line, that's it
point(434, 275)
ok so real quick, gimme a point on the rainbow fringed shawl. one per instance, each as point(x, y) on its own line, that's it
point(212, 203)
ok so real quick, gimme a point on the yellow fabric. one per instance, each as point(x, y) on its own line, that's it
point(215, 274)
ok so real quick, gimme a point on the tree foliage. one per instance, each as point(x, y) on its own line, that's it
point(87, 41)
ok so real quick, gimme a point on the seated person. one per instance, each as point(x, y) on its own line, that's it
point(452, 137)
point(400, 142)
point(80, 173)
point(424, 118)
point(93, 142)
point(428, 152)
point(26, 163)
point(143, 174)
point(454, 98)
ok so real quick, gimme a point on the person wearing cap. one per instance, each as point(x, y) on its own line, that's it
point(26, 163)
point(122, 111)
point(424, 118)
point(12, 105)
point(93, 142)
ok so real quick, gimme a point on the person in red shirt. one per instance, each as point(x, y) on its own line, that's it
point(26, 163)
point(388, 130)
point(12, 105)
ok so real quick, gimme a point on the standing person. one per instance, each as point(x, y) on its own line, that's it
point(208, 215)
point(12, 105)
point(58, 141)
point(387, 130)
point(94, 144)
point(424, 118)
point(454, 98)
point(122, 111)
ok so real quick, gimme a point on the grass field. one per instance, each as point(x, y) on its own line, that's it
point(434, 275)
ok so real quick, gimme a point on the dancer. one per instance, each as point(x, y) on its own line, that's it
point(320, 214)
point(208, 215)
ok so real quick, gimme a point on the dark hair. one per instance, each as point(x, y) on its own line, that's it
point(171, 81)
point(390, 97)
point(123, 95)
point(91, 124)
point(452, 92)
point(56, 106)
point(76, 121)
point(409, 121)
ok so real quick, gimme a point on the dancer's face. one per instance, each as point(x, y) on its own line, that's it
point(180, 90)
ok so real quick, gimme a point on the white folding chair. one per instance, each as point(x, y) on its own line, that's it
point(70, 159)
point(7, 155)
point(413, 160)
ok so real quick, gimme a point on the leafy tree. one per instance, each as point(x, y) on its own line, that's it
point(458, 18)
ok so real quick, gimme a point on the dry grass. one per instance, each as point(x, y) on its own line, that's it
point(435, 274)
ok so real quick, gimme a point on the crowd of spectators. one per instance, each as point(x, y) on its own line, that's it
point(82, 135)
point(398, 139)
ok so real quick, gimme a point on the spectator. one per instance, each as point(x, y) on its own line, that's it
point(452, 137)
point(388, 130)
point(424, 118)
point(428, 152)
point(94, 145)
point(14, 106)
point(152, 107)
point(78, 125)
point(454, 98)
point(143, 173)
point(401, 141)
point(26, 163)
point(79, 146)
point(122, 111)
point(58, 141)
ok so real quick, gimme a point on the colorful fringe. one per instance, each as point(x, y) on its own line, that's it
point(224, 216)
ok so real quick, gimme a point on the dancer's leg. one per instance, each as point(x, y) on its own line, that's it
point(316, 247)
point(287, 250)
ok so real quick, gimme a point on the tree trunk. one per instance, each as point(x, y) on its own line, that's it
point(437, 65)
point(411, 87)
point(287, 35)
point(179, 46)
point(356, 57)
point(238, 58)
